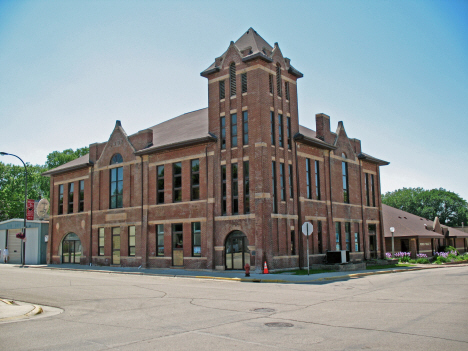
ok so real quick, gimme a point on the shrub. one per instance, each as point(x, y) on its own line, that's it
point(388, 256)
point(422, 260)
point(403, 256)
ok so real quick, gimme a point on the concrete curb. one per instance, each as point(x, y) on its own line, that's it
point(33, 312)
point(253, 280)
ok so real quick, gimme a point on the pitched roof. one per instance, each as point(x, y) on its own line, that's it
point(77, 163)
point(251, 45)
point(409, 225)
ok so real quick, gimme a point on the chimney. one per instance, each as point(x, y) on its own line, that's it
point(322, 122)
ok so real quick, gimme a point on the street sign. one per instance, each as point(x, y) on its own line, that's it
point(307, 228)
point(30, 210)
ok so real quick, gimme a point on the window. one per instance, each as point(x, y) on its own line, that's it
point(278, 79)
point(177, 181)
point(283, 190)
point(366, 184)
point(101, 242)
point(288, 131)
point(272, 123)
point(344, 169)
point(338, 235)
point(356, 241)
point(160, 239)
point(308, 179)
point(245, 116)
point(71, 188)
point(286, 88)
point(195, 179)
point(372, 230)
point(222, 92)
point(223, 133)
point(60, 207)
point(348, 235)
point(131, 240)
point(223, 189)
point(234, 189)
point(271, 83)
point(273, 186)
point(160, 185)
point(116, 183)
point(280, 131)
point(81, 204)
point(196, 239)
point(291, 193)
point(234, 130)
point(244, 82)
point(319, 236)
point(317, 180)
point(372, 190)
point(115, 245)
point(246, 188)
point(232, 78)
point(293, 242)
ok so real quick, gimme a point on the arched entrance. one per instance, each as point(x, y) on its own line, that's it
point(237, 251)
point(71, 249)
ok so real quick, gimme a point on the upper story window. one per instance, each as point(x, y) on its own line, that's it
point(344, 172)
point(286, 88)
point(116, 182)
point(160, 185)
point(272, 123)
point(291, 193)
point(177, 181)
point(223, 190)
point(317, 180)
point(280, 131)
point(81, 205)
point(366, 185)
point(283, 190)
point(222, 91)
point(278, 79)
point(60, 202)
point(273, 185)
point(246, 187)
point(308, 179)
point(232, 78)
point(245, 116)
point(195, 170)
point(234, 130)
point(244, 82)
point(372, 190)
point(234, 188)
point(223, 132)
point(270, 80)
point(288, 131)
point(71, 190)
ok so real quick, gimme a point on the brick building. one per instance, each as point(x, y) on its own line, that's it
point(222, 186)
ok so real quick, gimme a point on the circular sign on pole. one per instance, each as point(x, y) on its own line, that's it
point(307, 228)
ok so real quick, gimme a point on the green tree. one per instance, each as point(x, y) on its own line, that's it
point(451, 209)
point(12, 182)
point(58, 158)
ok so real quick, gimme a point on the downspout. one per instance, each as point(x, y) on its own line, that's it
point(362, 210)
point(299, 212)
point(331, 202)
point(91, 219)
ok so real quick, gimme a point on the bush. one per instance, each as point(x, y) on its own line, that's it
point(422, 260)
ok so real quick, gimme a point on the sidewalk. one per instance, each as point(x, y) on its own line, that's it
point(236, 275)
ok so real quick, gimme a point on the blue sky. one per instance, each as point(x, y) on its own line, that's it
point(395, 72)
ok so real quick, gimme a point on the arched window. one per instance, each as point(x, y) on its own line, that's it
point(116, 182)
point(278, 79)
point(232, 78)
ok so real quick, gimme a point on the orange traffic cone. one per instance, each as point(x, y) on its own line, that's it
point(265, 269)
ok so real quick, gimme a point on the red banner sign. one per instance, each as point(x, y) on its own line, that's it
point(30, 210)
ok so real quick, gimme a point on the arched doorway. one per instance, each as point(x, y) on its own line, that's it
point(71, 249)
point(237, 251)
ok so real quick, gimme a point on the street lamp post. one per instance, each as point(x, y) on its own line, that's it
point(25, 199)
point(392, 229)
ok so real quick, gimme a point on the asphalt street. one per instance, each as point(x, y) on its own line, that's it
point(415, 310)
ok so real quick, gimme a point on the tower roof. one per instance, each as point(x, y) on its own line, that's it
point(251, 45)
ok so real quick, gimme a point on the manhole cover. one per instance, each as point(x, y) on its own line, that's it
point(279, 325)
point(263, 310)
